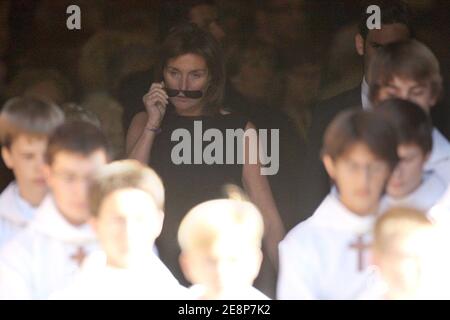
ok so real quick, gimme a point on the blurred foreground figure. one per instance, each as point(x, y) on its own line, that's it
point(410, 255)
point(126, 202)
point(46, 254)
point(221, 249)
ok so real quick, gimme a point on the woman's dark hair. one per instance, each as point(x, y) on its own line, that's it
point(188, 38)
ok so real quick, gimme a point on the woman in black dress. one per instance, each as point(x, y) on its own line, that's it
point(187, 95)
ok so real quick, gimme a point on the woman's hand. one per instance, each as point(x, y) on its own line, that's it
point(155, 101)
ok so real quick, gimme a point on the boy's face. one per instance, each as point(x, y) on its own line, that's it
point(407, 89)
point(407, 175)
point(411, 264)
point(400, 267)
point(127, 225)
point(360, 178)
point(222, 267)
point(68, 178)
point(25, 157)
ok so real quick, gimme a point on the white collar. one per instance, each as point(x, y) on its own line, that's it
point(439, 152)
point(25, 208)
point(97, 260)
point(440, 212)
point(149, 276)
point(333, 214)
point(13, 207)
point(425, 196)
point(49, 220)
point(198, 291)
point(366, 104)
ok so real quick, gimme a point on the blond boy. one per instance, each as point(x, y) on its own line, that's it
point(220, 244)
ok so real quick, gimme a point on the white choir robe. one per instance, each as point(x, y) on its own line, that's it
point(434, 286)
point(150, 280)
point(439, 160)
point(318, 259)
point(44, 256)
point(423, 198)
point(197, 292)
point(15, 213)
point(432, 282)
point(377, 288)
point(441, 211)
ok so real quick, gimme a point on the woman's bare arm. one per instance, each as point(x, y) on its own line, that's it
point(139, 139)
point(258, 189)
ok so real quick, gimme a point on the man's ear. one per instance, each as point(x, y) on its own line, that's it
point(359, 44)
point(329, 165)
point(6, 155)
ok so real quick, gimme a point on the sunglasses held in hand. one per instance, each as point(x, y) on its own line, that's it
point(191, 94)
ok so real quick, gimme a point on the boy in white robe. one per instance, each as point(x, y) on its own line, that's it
point(409, 253)
point(326, 256)
point(44, 256)
point(409, 70)
point(126, 201)
point(440, 212)
point(409, 186)
point(25, 124)
point(221, 254)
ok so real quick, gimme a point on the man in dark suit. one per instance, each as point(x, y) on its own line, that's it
point(395, 26)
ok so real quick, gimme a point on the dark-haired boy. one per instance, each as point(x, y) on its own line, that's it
point(46, 254)
point(325, 257)
point(126, 202)
point(409, 186)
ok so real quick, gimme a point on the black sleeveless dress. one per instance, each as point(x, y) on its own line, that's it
point(187, 185)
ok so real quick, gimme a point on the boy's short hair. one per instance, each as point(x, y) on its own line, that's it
point(412, 124)
point(391, 11)
point(396, 224)
point(221, 219)
point(358, 126)
point(29, 116)
point(410, 60)
point(77, 137)
point(123, 175)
